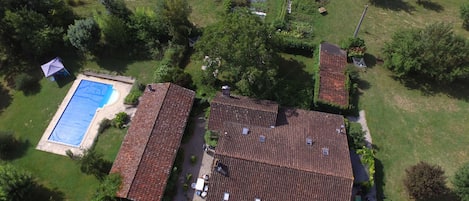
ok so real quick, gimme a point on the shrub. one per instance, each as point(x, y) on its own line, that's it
point(107, 188)
point(120, 119)
point(355, 47)
point(211, 138)
point(93, 163)
point(425, 182)
point(15, 185)
point(23, 81)
point(193, 159)
point(368, 159)
point(104, 124)
point(227, 5)
point(461, 182)
point(356, 136)
point(464, 14)
point(132, 97)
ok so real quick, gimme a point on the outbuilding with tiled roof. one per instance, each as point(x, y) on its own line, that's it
point(332, 76)
point(149, 148)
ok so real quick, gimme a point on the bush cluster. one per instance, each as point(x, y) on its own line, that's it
point(104, 124)
point(120, 119)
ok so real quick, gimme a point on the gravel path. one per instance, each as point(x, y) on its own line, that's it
point(362, 120)
point(371, 196)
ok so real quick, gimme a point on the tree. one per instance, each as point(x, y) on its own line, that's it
point(93, 163)
point(117, 8)
point(240, 52)
point(14, 184)
point(115, 31)
point(177, 14)
point(150, 30)
point(84, 34)
point(166, 72)
point(464, 13)
point(461, 182)
point(107, 188)
point(424, 181)
point(433, 52)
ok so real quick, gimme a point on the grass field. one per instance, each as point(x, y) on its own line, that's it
point(407, 125)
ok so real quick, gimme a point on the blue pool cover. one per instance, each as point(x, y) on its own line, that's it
point(75, 120)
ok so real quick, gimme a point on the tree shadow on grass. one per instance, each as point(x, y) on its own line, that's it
point(119, 66)
point(295, 85)
point(5, 98)
point(431, 5)
point(41, 193)
point(459, 89)
point(370, 60)
point(395, 5)
point(18, 149)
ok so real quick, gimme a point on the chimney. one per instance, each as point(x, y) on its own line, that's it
point(225, 90)
point(150, 88)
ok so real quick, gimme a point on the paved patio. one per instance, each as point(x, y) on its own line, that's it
point(200, 168)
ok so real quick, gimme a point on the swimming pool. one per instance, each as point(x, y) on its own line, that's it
point(80, 110)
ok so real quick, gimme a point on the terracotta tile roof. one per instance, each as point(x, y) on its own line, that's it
point(249, 180)
point(332, 65)
point(241, 109)
point(148, 151)
point(285, 160)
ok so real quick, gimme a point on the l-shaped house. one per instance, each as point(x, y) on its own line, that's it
point(149, 149)
point(266, 152)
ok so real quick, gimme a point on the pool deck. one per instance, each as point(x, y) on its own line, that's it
point(107, 111)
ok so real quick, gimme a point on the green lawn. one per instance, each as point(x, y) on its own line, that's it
point(406, 125)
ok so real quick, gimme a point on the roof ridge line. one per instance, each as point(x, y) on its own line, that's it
point(282, 166)
point(146, 143)
point(246, 107)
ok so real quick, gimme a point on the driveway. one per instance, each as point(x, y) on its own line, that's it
point(194, 147)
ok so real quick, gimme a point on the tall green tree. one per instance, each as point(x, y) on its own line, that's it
point(14, 184)
point(108, 188)
point(433, 52)
point(177, 14)
point(117, 8)
point(115, 31)
point(150, 29)
point(84, 34)
point(424, 181)
point(26, 32)
point(464, 14)
point(461, 182)
point(240, 52)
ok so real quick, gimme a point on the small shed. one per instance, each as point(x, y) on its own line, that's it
point(54, 67)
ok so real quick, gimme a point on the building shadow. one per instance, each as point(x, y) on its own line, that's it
point(431, 5)
point(379, 180)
